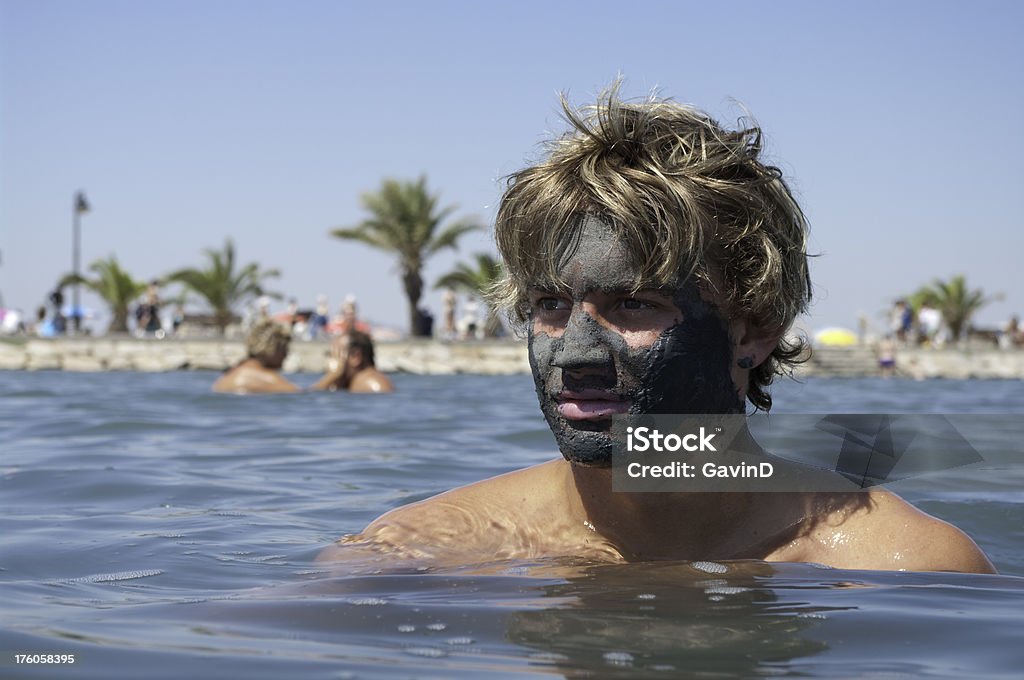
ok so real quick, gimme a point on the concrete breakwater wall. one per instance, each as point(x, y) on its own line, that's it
point(984, 361)
point(131, 354)
point(433, 357)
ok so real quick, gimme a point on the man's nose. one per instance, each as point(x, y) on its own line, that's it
point(582, 348)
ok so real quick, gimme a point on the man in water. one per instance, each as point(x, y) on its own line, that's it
point(656, 263)
point(260, 372)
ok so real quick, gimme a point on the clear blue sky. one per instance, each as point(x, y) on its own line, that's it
point(899, 124)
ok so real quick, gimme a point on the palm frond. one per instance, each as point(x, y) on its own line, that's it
point(450, 236)
point(224, 285)
point(957, 302)
point(404, 218)
point(113, 284)
point(475, 280)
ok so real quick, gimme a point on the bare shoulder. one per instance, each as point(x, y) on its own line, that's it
point(886, 532)
point(248, 380)
point(371, 380)
point(480, 520)
point(470, 513)
point(229, 381)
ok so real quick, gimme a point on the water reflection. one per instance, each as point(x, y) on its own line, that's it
point(630, 620)
point(655, 619)
point(574, 618)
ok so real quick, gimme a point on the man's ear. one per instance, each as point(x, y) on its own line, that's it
point(752, 345)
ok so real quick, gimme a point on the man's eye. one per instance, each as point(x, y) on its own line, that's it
point(549, 304)
point(632, 304)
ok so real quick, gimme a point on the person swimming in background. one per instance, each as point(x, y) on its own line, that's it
point(353, 367)
point(656, 263)
point(266, 348)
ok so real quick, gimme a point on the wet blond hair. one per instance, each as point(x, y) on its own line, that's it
point(685, 195)
point(266, 339)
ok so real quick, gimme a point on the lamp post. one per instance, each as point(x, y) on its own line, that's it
point(81, 206)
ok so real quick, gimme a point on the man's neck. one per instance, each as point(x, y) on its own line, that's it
point(683, 525)
point(256, 364)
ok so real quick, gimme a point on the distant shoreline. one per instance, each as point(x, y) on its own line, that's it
point(433, 357)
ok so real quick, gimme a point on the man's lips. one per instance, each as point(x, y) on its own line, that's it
point(590, 404)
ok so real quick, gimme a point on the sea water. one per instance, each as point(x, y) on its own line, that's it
point(152, 529)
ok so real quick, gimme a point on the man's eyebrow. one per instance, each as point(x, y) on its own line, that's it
point(658, 288)
point(642, 289)
point(547, 287)
point(561, 289)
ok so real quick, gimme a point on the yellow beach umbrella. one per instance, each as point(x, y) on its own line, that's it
point(835, 337)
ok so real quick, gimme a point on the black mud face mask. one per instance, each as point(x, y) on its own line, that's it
point(686, 370)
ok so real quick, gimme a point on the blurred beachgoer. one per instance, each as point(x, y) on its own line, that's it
point(292, 314)
point(347, 319)
point(901, 320)
point(886, 351)
point(147, 314)
point(448, 301)
point(10, 322)
point(153, 324)
point(655, 263)
point(295, 319)
point(1011, 335)
point(248, 317)
point(424, 323)
point(263, 308)
point(58, 323)
point(470, 322)
point(260, 372)
point(929, 320)
point(178, 318)
point(896, 318)
point(354, 368)
point(907, 327)
point(35, 328)
point(348, 314)
point(862, 328)
point(318, 322)
point(300, 329)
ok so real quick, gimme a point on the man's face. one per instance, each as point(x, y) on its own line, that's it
point(343, 352)
point(599, 348)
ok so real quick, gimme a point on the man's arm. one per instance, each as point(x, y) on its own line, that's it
point(333, 379)
point(428, 532)
point(943, 547)
point(891, 534)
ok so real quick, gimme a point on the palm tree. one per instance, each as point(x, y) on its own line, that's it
point(405, 219)
point(477, 282)
point(223, 285)
point(954, 299)
point(112, 283)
